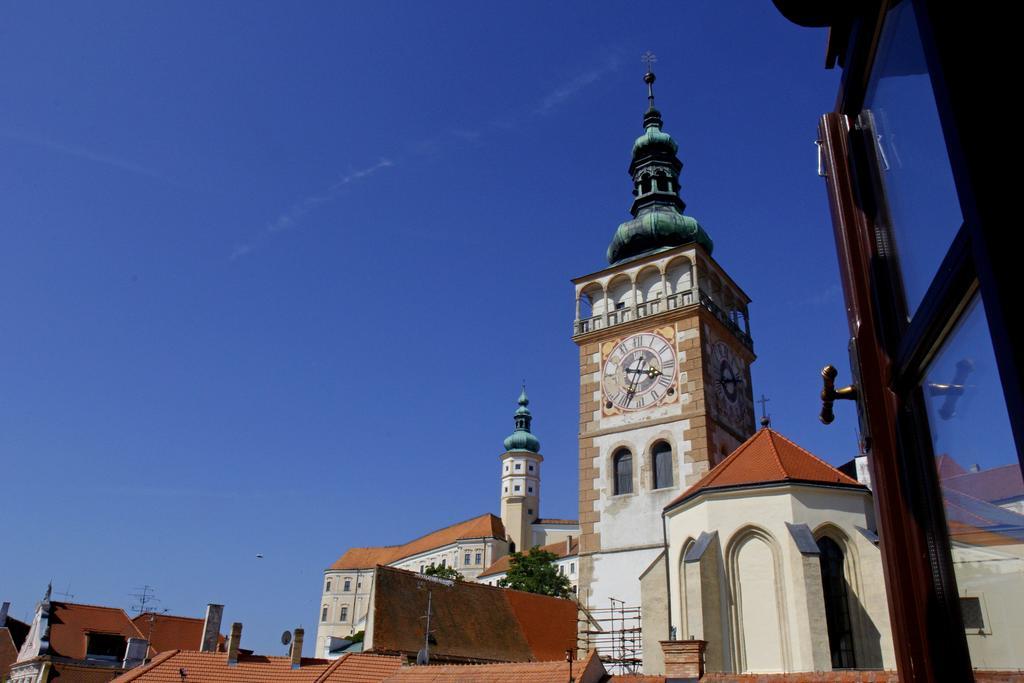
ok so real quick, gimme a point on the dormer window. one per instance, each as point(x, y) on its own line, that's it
point(105, 646)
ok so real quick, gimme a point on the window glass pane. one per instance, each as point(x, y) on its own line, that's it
point(982, 490)
point(915, 170)
point(662, 465)
point(624, 472)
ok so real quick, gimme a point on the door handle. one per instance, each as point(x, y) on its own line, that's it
point(829, 393)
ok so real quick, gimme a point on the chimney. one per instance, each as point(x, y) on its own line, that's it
point(136, 653)
point(684, 659)
point(568, 545)
point(3, 613)
point(234, 639)
point(211, 628)
point(297, 648)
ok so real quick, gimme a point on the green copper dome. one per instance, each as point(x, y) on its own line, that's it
point(653, 230)
point(522, 439)
point(654, 136)
point(658, 221)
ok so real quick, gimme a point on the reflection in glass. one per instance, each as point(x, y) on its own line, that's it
point(982, 490)
point(919, 188)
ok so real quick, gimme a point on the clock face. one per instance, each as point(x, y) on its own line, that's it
point(639, 372)
point(729, 378)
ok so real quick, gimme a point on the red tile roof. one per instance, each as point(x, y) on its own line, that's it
point(362, 668)
point(168, 632)
point(67, 672)
point(553, 520)
point(484, 526)
point(501, 565)
point(471, 622)
point(589, 670)
point(212, 667)
point(768, 457)
point(992, 485)
point(8, 652)
point(948, 467)
point(70, 623)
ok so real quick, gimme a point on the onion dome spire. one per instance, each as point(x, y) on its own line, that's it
point(522, 439)
point(658, 221)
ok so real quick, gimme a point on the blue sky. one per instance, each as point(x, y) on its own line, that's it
point(272, 273)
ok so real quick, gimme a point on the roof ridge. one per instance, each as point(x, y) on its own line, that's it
point(775, 451)
point(165, 616)
point(813, 456)
point(87, 604)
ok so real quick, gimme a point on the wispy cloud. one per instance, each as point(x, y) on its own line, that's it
point(566, 91)
point(81, 153)
point(292, 216)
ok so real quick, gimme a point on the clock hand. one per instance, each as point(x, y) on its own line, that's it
point(636, 379)
point(651, 372)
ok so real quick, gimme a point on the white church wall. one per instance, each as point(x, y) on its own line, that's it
point(991, 574)
point(792, 581)
point(634, 519)
point(762, 638)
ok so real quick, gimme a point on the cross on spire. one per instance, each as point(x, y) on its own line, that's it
point(649, 59)
point(765, 420)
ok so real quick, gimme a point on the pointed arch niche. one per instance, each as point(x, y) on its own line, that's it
point(760, 633)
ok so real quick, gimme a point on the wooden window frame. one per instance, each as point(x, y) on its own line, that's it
point(890, 355)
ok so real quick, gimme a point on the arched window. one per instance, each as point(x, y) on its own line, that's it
point(837, 604)
point(623, 461)
point(661, 459)
point(328, 589)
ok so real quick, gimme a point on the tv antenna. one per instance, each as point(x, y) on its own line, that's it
point(145, 597)
point(423, 656)
point(66, 593)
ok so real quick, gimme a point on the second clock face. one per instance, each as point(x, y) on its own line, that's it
point(639, 372)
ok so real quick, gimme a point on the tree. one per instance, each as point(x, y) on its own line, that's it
point(535, 572)
point(443, 572)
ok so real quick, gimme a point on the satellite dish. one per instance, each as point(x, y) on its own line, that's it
point(422, 658)
point(286, 637)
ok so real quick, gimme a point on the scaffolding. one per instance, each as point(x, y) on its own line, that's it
point(615, 633)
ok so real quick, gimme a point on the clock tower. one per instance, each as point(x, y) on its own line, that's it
point(665, 353)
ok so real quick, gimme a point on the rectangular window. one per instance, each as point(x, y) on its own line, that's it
point(479, 558)
point(323, 614)
point(531, 468)
point(328, 589)
point(516, 487)
point(572, 567)
point(444, 562)
point(973, 618)
point(348, 585)
point(466, 559)
point(519, 465)
point(422, 568)
point(344, 613)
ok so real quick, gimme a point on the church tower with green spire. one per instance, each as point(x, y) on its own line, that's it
point(665, 353)
point(520, 479)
